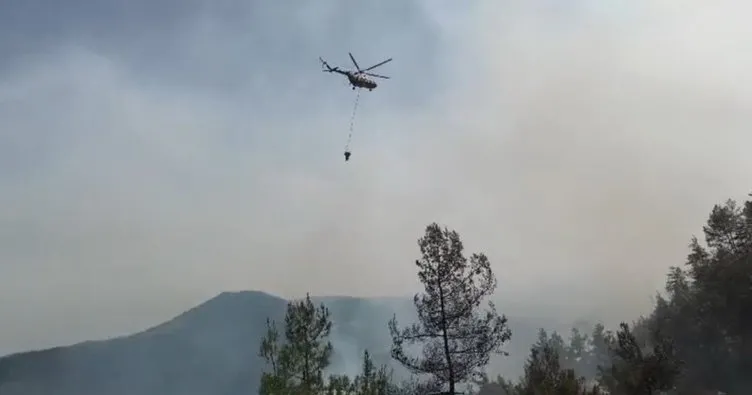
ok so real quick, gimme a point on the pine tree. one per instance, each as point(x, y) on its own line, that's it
point(637, 370)
point(544, 375)
point(372, 381)
point(457, 338)
point(277, 381)
point(298, 363)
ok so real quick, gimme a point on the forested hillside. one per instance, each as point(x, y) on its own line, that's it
point(213, 347)
point(696, 340)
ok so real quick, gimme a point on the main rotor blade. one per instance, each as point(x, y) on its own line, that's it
point(376, 75)
point(378, 64)
point(354, 62)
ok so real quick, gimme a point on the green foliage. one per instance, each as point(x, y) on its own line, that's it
point(577, 355)
point(550, 367)
point(340, 385)
point(457, 338)
point(371, 381)
point(582, 353)
point(277, 381)
point(601, 342)
point(635, 370)
point(699, 335)
point(697, 338)
point(708, 305)
point(415, 386)
point(297, 364)
point(544, 375)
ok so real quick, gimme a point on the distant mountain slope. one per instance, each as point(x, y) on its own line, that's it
point(210, 349)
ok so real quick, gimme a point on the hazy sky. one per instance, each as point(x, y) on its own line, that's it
point(155, 153)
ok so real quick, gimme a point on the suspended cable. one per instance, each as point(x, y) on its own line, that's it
point(352, 125)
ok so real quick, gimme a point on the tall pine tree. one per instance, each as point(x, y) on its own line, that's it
point(457, 337)
point(298, 363)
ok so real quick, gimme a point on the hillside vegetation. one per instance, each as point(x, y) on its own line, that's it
point(696, 340)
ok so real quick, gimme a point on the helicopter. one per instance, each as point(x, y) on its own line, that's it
point(358, 79)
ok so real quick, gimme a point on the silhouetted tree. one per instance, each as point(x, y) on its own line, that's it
point(698, 338)
point(298, 363)
point(601, 341)
point(576, 354)
point(708, 305)
point(340, 385)
point(544, 375)
point(457, 338)
point(372, 381)
point(277, 381)
point(635, 370)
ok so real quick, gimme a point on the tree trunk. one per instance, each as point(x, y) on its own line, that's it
point(446, 341)
point(306, 372)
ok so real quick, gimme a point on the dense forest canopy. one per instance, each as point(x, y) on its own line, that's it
point(697, 339)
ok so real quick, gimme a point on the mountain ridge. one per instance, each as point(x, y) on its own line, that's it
point(210, 348)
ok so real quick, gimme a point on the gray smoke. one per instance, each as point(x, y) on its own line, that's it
point(152, 159)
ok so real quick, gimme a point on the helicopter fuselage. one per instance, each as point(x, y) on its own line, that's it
point(358, 80)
